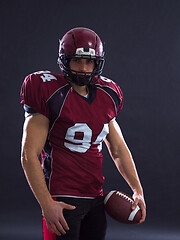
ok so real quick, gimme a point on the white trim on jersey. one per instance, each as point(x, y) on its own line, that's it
point(72, 196)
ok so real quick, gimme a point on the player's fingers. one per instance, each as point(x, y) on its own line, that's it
point(55, 230)
point(143, 209)
point(142, 219)
point(135, 203)
point(49, 227)
point(64, 223)
point(60, 228)
point(68, 206)
point(62, 220)
point(52, 228)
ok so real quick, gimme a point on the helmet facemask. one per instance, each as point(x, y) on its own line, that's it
point(81, 78)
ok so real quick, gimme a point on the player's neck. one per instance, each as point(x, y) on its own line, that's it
point(81, 90)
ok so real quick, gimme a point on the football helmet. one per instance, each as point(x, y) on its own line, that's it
point(81, 43)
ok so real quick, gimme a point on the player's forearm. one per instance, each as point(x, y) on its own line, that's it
point(35, 178)
point(125, 164)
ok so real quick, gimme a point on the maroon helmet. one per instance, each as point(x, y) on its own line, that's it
point(81, 43)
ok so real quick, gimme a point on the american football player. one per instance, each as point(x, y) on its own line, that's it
point(67, 117)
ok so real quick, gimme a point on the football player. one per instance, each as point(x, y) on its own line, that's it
point(67, 117)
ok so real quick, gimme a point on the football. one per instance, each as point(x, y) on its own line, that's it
point(118, 205)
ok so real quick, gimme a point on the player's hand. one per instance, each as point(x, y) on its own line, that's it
point(53, 214)
point(139, 200)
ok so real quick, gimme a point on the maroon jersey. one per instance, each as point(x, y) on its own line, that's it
point(72, 156)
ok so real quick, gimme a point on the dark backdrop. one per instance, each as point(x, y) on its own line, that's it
point(142, 45)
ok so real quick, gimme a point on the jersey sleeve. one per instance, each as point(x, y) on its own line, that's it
point(33, 96)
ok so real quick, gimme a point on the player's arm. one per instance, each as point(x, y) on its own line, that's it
point(125, 164)
point(35, 132)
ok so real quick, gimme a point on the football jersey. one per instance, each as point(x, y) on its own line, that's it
point(72, 156)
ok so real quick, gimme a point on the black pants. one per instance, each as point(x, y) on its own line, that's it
point(87, 221)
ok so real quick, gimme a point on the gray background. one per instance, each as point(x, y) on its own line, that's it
point(142, 45)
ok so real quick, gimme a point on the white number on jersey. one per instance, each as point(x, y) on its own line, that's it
point(46, 76)
point(100, 138)
point(84, 144)
point(106, 79)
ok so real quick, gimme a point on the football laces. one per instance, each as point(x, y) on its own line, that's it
point(125, 197)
